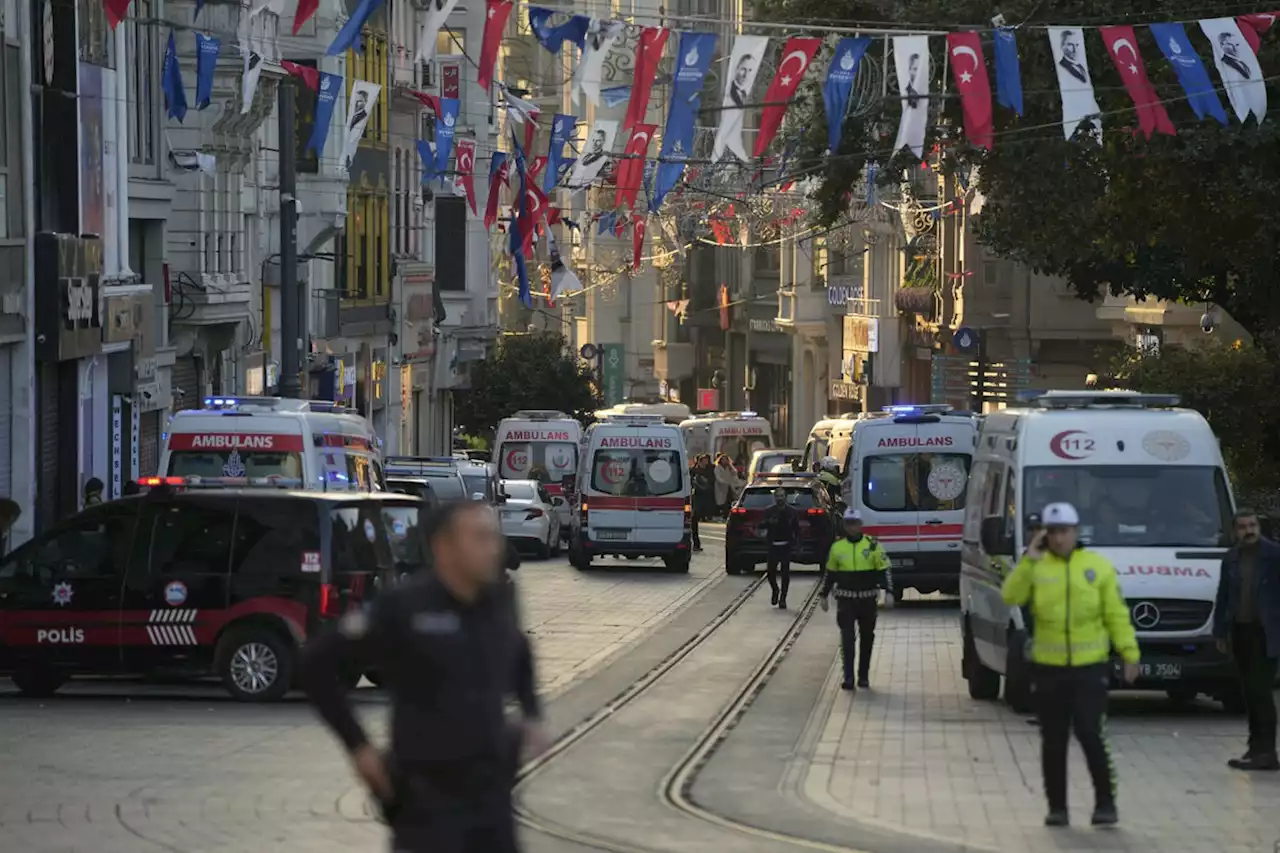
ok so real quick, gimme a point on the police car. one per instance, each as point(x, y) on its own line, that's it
point(195, 582)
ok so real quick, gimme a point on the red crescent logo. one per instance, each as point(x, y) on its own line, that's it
point(517, 460)
point(612, 473)
point(1057, 447)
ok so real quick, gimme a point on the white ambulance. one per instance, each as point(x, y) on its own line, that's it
point(736, 434)
point(1149, 483)
point(906, 472)
point(634, 492)
point(320, 444)
point(542, 445)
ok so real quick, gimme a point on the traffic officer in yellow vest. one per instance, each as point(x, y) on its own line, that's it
point(1077, 616)
point(857, 569)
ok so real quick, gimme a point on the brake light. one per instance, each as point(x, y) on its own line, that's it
point(161, 481)
point(329, 598)
point(737, 510)
point(816, 511)
point(533, 513)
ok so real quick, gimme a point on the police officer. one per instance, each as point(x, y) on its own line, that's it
point(451, 651)
point(857, 568)
point(1078, 615)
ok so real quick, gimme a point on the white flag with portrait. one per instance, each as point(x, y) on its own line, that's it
point(741, 72)
point(249, 80)
point(595, 154)
point(363, 96)
point(1079, 106)
point(438, 11)
point(911, 64)
point(1238, 67)
point(601, 35)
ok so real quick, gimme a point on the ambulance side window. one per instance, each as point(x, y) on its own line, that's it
point(1011, 525)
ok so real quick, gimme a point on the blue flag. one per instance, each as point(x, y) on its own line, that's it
point(838, 87)
point(428, 158)
point(615, 95)
point(175, 96)
point(521, 221)
point(445, 121)
point(608, 221)
point(207, 49)
point(349, 35)
point(1191, 72)
point(553, 38)
point(561, 126)
point(199, 6)
point(330, 85)
point(1008, 71)
point(692, 61)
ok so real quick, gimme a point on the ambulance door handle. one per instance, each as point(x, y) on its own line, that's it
point(645, 508)
point(933, 521)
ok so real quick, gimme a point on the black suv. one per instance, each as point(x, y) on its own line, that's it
point(745, 538)
point(196, 583)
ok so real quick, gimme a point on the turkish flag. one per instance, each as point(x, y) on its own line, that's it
point(497, 177)
point(969, 68)
point(648, 55)
point(539, 163)
point(495, 22)
point(116, 10)
point(538, 205)
point(428, 100)
point(637, 240)
point(466, 149)
point(1253, 26)
point(306, 8)
point(796, 56)
point(1152, 117)
point(631, 166)
point(309, 76)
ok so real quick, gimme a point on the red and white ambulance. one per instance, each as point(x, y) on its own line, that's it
point(542, 445)
point(737, 434)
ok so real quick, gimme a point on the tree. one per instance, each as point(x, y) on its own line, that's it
point(1188, 217)
point(533, 371)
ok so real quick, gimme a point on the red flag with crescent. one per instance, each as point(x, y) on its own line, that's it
point(631, 166)
point(495, 184)
point(969, 68)
point(648, 55)
point(466, 154)
point(796, 56)
point(1253, 26)
point(1152, 117)
point(535, 169)
point(495, 23)
point(637, 240)
point(309, 76)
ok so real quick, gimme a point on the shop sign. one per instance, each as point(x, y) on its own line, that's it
point(861, 334)
point(768, 326)
point(838, 295)
point(68, 296)
point(708, 399)
point(845, 391)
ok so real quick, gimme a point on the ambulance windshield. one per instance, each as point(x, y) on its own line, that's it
point(635, 473)
point(544, 461)
point(235, 463)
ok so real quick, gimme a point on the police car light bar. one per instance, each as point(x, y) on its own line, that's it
point(1087, 399)
point(923, 409)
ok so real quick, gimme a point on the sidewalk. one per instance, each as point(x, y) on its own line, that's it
point(915, 754)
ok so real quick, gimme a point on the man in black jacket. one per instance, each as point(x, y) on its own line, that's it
point(1246, 621)
point(782, 525)
point(451, 650)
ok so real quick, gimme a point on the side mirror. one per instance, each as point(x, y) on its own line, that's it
point(995, 540)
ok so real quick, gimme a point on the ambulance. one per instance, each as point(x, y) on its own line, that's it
point(906, 472)
point(538, 444)
point(736, 434)
point(1149, 483)
point(320, 445)
point(634, 493)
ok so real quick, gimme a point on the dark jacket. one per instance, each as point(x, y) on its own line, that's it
point(1266, 594)
point(782, 524)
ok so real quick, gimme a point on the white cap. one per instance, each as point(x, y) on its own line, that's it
point(852, 515)
point(1060, 515)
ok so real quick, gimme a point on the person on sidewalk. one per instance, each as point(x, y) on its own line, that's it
point(857, 569)
point(1078, 615)
point(782, 524)
point(1246, 623)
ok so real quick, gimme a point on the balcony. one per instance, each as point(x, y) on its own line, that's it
point(214, 299)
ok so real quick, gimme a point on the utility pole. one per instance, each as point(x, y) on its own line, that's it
point(290, 303)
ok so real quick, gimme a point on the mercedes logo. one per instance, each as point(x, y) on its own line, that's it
point(1145, 615)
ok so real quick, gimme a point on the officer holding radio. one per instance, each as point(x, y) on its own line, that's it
point(857, 569)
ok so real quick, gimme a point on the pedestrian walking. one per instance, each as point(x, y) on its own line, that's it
point(857, 569)
point(728, 484)
point(1246, 623)
point(1078, 615)
point(701, 484)
point(782, 525)
point(449, 647)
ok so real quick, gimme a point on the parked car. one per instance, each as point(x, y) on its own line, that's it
point(530, 517)
point(482, 481)
point(746, 543)
point(441, 475)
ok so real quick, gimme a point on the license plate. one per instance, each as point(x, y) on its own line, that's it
point(1160, 670)
point(610, 534)
point(901, 562)
point(761, 532)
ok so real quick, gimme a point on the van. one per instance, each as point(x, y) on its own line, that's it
point(906, 472)
point(1149, 483)
point(542, 445)
point(633, 493)
point(735, 434)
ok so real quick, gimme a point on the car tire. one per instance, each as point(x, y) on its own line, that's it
point(1017, 675)
point(731, 566)
point(984, 683)
point(678, 563)
point(543, 549)
point(255, 664)
point(38, 683)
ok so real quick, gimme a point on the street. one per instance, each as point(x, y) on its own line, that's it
point(689, 716)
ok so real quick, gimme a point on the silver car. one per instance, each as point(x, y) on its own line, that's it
point(529, 517)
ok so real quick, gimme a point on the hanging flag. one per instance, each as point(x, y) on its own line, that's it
point(637, 240)
point(207, 49)
point(1079, 106)
point(363, 96)
point(522, 112)
point(306, 8)
point(553, 38)
point(838, 88)
point(446, 118)
point(1152, 117)
point(911, 62)
point(330, 85)
point(615, 96)
point(193, 161)
point(969, 68)
point(308, 75)
point(117, 11)
point(648, 55)
point(796, 56)
point(563, 279)
point(349, 35)
point(590, 164)
point(561, 127)
point(522, 224)
point(1238, 67)
point(249, 78)
point(606, 223)
point(464, 179)
point(693, 58)
point(1194, 77)
point(522, 272)
point(745, 65)
point(497, 177)
point(1254, 26)
point(175, 96)
point(438, 12)
point(720, 231)
point(724, 307)
point(631, 167)
point(1008, 69)
point(495, 24)
point(566, 169)
point(536, 167)
point(427, 154)
point(601, 35)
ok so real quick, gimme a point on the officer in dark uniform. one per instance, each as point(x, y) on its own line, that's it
point(449, 645)
point(857, 569)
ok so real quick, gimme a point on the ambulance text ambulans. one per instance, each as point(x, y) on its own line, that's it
point(735, 434)
point(540, 445)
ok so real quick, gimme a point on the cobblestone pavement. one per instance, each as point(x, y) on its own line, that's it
point(916, 754)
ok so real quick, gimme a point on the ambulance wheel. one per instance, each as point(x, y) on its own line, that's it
point(1017, 675)
point(38, 682)
point(984, 683)
point(255, 664)
point(677, 563)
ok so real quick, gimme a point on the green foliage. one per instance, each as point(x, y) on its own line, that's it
point(473, 442)
point(533, 371)
point(1188, 217)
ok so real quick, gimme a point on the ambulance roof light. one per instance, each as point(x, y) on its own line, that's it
point(1089, 399)
point(921, 409)
point(541, 415)
point(637, 418)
